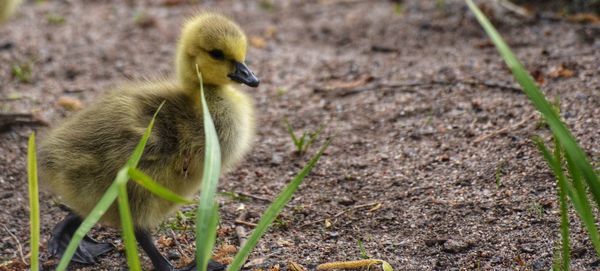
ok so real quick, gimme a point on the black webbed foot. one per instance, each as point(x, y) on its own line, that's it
point(88, 250)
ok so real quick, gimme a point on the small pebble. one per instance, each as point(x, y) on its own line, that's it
point(173, 255)
point(456, 246)
point(276, 159)
point(346, 201)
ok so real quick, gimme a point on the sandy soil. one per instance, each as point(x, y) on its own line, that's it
point(433, 167)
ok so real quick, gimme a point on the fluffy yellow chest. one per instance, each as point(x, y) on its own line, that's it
point(233, 115)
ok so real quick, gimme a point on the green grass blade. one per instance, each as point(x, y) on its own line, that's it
point(564, 213)
point(564, 230)
point(577, 195)
point(555, 164)
point(559, 129)
point(133, 260)
point(146, 181)
point(139, 149)
point(312, 136)
point(290, 131)
point(209, 242)
point(106, 200)
point(34, 204)
point(581, 190)
point(205, 230)
point(271, 213)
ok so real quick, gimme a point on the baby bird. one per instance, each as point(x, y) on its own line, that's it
point(80, 158)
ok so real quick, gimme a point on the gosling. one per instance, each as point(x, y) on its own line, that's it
point(80, 158)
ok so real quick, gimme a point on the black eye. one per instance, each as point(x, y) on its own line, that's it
point(217, 54)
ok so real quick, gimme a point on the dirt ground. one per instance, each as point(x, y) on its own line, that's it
point(432, 168)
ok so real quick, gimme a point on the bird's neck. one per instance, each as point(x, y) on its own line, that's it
point(186, 73)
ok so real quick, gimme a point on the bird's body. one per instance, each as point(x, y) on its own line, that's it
point(80, 159)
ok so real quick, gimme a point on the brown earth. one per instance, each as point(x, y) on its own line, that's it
point(433, 165)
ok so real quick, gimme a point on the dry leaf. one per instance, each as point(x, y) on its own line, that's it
point(224, 253)
point(376, 207)
point(342, 84)
point(274, 268)
point(224, 231)
point(585, 18)
point(293, 266)
point(69, 103)
point(258, 42)
point(561, 71)
point(165, 241)
point(538, 76)
point(270, 31)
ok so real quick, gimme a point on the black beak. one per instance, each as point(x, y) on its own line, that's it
point(242, 74)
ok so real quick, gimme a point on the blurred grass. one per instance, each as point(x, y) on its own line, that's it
point(133, 260)
point(207, 213)
point(34, 204)
point(580, 172)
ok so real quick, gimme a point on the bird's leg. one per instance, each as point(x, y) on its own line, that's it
point(158, 260)
point(88, 249)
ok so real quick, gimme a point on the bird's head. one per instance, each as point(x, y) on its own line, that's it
point(218, 47)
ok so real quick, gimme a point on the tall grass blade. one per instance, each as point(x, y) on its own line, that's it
point(106, 200)
point(559, 129)
point(564, 214)
point(271, 213)
point(290, 131)
point(34, 204)
point(207, 210)
point(139, 149)
point(564, 188)
point(564, 230)
point(579, 199)
point(146, 181)
point(133, 260)
point(581, 190)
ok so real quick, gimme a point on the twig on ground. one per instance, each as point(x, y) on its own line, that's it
point(504, 129)
point(341, 213)
point(177, 246)
point(349, 264)
point(239, 230)
point(245, 223)
point(254, 196)
point(511, 7)
point(10, 119)
point(19, 246)
point(410, 86)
